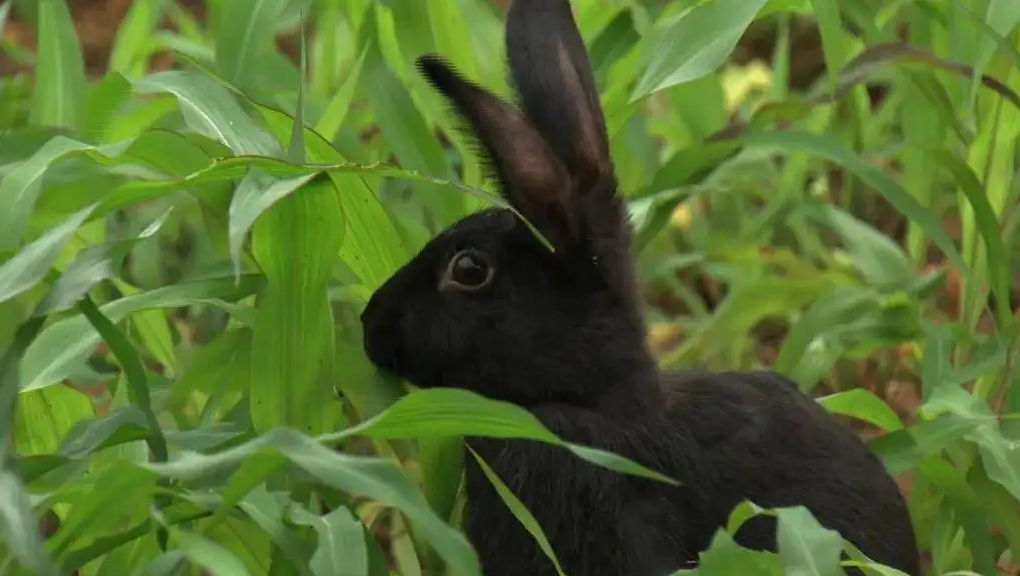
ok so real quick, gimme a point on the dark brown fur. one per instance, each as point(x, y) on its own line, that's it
point(562, 334)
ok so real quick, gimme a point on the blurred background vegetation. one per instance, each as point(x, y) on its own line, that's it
point(828, 188)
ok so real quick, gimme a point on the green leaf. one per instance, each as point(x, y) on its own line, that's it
point(341, 550)
point(987, 224)
point(104, 103)
point(266, 511)
point(293, 350)
point(91, 266)
point(807, 337)
point(883, 570)
point(864, 405)
point(55, 353)
point(456, 412)
point(249, 476)
point(122, 424)
point(954, 489)
point(833, 150)
point(1001, 457)
point(131, 363)
point(60, 83)
point(211, 110)
point(45, 416)
point(372, 477)
point(805, 547)
point(905, 449)
point(893, 54)
point(101, 547)
point(332, 117)
point(18, 527)
point(133, 35)
point(695, 44)
point(5, 11)
point(256, 193)
point(407, 134)
point(371, 246)
point(209, 555)
point(882, 263)
point(153, 332)
point(123, 489)
point(20, 189)
point(222, 365)
point(10, 361)
point(724, 557)
point(296, 148)
point(519, 511)
point(245, 33)
point(29, 266)
point(441, 459)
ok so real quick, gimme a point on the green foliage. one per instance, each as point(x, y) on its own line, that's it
point(184, 254)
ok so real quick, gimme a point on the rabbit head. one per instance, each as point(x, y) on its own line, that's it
point(486, 305)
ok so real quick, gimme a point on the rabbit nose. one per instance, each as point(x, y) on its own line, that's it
point(381, 327)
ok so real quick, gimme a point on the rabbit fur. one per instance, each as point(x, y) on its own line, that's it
point(486, 306)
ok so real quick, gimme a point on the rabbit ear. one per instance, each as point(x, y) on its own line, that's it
point(533, 178)
point(553, 75)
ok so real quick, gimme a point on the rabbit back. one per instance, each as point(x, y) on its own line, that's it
point(760, 438)
point(726, 438)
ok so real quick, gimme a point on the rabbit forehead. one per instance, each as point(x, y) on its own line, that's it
point(490, 229)
point(487, 221)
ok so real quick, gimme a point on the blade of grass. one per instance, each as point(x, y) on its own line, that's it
point(18, 526)
point(212, 111)
point(129, 360)
point(256, 193)
point(295, 243)
point(133, 35)
point(53, 355)
point(519, 511)
point(333, 116)
point(296, 149)
point(696, 44)
point(246, 30)
point(60, 83)
point(29, 266)
point(373, 477)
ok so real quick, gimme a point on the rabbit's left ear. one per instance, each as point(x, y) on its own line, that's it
point(558, 93)
point(532, 177)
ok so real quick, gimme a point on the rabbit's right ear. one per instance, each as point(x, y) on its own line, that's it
point(533, 178)
point(550, 66)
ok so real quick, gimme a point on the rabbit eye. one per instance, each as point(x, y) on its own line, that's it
point(469, 269)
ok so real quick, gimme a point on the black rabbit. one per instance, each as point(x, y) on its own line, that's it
point(487, 307)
